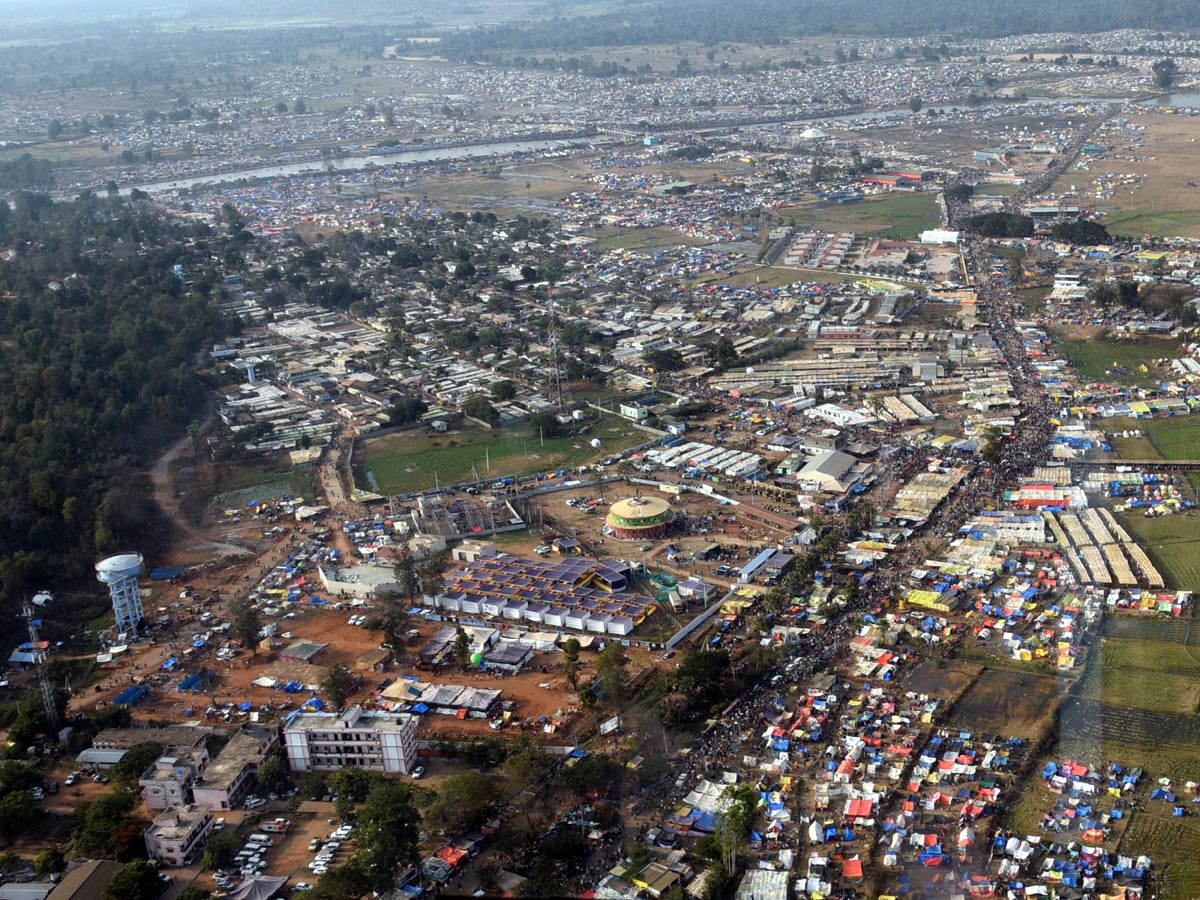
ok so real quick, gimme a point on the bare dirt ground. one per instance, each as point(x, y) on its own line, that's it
point(1166, 197)
point(1020, 704)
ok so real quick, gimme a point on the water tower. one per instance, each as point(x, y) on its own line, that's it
point(120, 573)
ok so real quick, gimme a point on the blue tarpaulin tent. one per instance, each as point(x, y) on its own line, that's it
point(246, 707)
point(315, 703)
point(132, 695)
point(420, 709)
point(191, 683)
point(170, 664)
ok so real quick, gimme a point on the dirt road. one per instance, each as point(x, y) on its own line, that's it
point(164, 491)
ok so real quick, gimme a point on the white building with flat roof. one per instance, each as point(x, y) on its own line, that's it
point(177, 837)
point(322, 742)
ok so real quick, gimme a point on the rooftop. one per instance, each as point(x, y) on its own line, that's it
point(178, 823)
point(353, 718)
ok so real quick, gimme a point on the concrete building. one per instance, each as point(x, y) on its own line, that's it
point(363, 582)
point(167, 784)
point(173, 736)
point(472, 551)
point(177, 837)
point(382, 742)
point(227, 780)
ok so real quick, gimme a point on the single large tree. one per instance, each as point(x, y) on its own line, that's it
point(464, 800)
point(247, 624)
point(1164, 73)
point(611, 668)
point(571, 661)
point(133, 881)
point(387, 833)
point(337, 685)
point(462, 647)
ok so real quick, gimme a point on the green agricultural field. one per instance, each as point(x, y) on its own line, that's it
point(416, 461)
point(1094, 357)
point(1172, 543)
point(894, 215)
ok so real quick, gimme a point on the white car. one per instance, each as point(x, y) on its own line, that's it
point(287, 635)
point(303, 886)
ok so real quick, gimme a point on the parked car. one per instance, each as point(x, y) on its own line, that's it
point(418, 772)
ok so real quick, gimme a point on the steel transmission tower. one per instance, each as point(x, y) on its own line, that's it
point(43, 678)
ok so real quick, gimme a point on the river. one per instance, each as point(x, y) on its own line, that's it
point(352, 163)
point(1183, 101)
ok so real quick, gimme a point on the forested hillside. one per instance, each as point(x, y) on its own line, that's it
point(710, 21)
point(99, 336)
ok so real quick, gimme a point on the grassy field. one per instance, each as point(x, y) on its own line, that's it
point(774, 276)
point(642, 238)
point(1172, 543)
point(895, 215)
point(415, 461)
point(1094, 357)
point(1136, 222)
point(1177, 437)
point(997, 188)
point(1135, 706)
point(1033, 298)
point(265, 479)
point(1134, 447)
point(1151, 674)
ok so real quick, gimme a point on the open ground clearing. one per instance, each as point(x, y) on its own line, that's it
point(946, 682)
point(414, 461)
point(894, 215)
point(1164, 201)
point(1020, 704)
point(1097, 357)
point(1177, 437)
point(1152, 674)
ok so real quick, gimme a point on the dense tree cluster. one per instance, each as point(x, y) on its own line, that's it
point(26, 172)
point(100, 336)
point(1083, 231)
point(998, 224)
